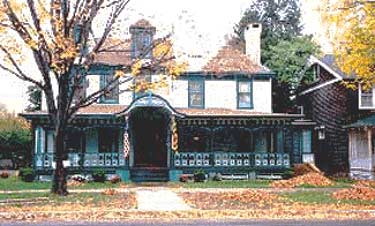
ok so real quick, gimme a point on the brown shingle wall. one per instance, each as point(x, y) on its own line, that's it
point(333, 106)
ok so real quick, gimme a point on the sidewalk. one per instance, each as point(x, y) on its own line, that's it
point(159, 200)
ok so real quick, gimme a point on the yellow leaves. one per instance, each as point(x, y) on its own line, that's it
point(162, 49)
point(176, 69)
point(353, 38)
point(119, 73)
point(136, 68)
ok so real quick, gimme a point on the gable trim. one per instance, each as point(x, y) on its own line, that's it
point(313, 60)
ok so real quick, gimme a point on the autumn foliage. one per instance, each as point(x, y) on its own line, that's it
point(230, 200)
point(312, 179)
point(362, 190)
point(350, 26)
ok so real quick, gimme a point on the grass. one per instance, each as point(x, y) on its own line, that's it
point(14, 183)
point(319, 197)
point(84, 198)
point(228, 184)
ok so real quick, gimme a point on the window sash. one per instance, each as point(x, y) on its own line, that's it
point(367, 98)
point(111, 96)
point(196, 93)
point(244, 94)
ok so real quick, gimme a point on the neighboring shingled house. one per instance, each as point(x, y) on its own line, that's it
point(333, 106)
point(221, 116)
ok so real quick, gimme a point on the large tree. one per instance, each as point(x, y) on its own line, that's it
point(35, 99)
point(63, 39)
point(284, 49)
point(351, 26)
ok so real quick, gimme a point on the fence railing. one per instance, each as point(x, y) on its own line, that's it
point(114, 159)
point(228, 159)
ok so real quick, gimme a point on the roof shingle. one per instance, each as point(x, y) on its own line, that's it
point(229, 59)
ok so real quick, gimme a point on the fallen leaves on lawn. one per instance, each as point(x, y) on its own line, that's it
point(229, 200)
point(362, 190)
point(109, 191)
point(313, 179)
point(74, 183)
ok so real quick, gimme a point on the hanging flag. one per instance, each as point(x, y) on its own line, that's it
point(126, 144)
point(174, 141)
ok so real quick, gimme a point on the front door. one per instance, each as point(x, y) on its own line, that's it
point(149, 136)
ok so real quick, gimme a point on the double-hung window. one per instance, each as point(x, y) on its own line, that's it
point(366, 98)
point(196, 93)
point(245, 94)
point(111, 95)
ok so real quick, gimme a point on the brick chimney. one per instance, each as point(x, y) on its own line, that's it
point(253, 32)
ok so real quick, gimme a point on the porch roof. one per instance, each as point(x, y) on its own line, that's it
point(368, 121)
point(111, 110)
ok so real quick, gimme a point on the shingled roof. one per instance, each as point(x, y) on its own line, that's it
point(115, 52)
point(143, 23)
point(229, 59)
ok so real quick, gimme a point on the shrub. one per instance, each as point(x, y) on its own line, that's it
point(199, 176)
point(27, 174)
point(99, 175)
point(4, 175)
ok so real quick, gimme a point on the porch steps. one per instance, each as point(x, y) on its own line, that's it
point(149, 174)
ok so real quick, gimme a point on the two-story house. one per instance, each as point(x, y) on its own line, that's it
point(343, 139)
point(217, 118)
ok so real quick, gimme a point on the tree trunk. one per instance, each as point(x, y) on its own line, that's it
point(59, 186)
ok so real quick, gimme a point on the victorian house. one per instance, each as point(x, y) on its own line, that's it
point(217, 118)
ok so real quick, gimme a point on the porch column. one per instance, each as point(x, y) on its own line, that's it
point(369, 141)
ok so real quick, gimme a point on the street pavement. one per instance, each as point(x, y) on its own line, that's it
point(228, 222)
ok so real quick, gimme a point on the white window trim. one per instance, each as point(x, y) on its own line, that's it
point(360, 99)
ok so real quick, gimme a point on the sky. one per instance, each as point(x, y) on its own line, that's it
point(199, 28)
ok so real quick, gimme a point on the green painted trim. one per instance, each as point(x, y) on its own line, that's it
point(250, 80)
point(174, 175)
point(228, 76)
point(124, 174)
point(102, 99)
point(202, 91)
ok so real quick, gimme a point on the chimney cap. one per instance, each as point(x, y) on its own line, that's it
point(255, 25)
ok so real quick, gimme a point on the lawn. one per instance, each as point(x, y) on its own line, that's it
point(15, 183)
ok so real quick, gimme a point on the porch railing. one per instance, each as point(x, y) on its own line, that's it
point(228, 159)
point(46, 160)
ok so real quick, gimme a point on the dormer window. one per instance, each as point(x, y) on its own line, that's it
point(141, 46)
point(366, 98)
point(142, 36)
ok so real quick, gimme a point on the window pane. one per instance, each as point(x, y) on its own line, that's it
point(196, 93)
point(366, 98)
point(196, 99)
point(195, 86)
point(244, 87)
point(244, 100)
